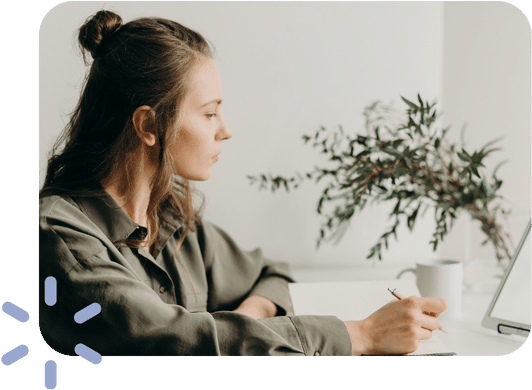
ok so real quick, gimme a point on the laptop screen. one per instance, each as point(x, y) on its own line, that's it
point(514, 301)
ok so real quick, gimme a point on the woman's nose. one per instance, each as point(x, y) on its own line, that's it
point(225, 131)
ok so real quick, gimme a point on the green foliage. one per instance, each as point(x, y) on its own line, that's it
point(406, 160)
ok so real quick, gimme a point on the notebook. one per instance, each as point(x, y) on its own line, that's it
point(357, 300)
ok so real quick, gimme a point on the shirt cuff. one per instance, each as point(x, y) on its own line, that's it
point(322, 335)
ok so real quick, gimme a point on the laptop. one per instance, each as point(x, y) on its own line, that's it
point(510, 309)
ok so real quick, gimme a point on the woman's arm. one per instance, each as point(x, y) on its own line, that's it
point(243, 280)
point(257, 307)
point(135, 321)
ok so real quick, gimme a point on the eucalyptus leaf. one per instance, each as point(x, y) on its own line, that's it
point(408, 161)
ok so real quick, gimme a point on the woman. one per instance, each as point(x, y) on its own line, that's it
point(119, 225)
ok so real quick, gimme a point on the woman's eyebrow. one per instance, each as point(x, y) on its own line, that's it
point(218, 101)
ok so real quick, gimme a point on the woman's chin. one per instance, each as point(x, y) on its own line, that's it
point(201, 176)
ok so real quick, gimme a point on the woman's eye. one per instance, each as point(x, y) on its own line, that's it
point(210, 115)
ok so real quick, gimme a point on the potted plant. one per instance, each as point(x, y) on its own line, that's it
point(404, 159)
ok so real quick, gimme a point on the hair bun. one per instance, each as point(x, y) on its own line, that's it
point(96, 30)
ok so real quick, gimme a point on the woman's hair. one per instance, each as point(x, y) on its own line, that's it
point(146, 62)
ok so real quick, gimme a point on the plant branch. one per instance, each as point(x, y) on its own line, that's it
point(411, 164)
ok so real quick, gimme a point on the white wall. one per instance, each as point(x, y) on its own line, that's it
point(486, 84)
point(287, 68)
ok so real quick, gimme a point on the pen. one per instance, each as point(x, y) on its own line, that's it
point(400, 296)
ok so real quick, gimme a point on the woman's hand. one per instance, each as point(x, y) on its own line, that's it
point(257, 307)
point(397, 327)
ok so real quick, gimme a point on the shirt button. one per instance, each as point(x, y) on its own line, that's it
point(162, 289)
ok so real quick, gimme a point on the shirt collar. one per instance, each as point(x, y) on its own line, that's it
point(114, 222)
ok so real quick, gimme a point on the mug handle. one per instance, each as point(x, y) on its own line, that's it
point(406, 270)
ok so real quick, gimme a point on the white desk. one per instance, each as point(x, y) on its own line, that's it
point(465, 336)
point(468, 338)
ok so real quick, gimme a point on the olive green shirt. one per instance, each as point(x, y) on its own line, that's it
point(161, 304)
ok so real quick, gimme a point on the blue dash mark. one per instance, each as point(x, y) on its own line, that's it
point(87, 313)
point(15, 312)
point(50, 374)
point(50, 291)
point(88, 354)
point(15, 354)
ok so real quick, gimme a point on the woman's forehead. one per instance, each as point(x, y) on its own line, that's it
point(206, 85)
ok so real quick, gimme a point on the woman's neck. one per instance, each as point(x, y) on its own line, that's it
point(135, 206)
point(135, 201)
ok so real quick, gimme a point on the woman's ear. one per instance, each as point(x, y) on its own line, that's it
point(140, 118)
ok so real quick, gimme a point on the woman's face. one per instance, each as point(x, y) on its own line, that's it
point(202, 127)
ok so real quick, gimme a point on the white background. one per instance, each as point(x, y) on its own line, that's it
point(288, 68)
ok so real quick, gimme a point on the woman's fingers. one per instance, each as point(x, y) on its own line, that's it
point(430, 323)
point(434, 306)
point(425, 334)
point(397, 327)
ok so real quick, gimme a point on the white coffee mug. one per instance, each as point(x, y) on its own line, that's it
point(442, 279)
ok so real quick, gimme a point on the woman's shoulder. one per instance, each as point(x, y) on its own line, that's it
point(55, 205)
point(63, 214)
point(63, 224)
point(60, 210)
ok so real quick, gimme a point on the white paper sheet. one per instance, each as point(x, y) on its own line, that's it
point(355, 300)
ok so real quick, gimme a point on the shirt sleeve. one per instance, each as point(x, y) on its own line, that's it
point(135, 321)
point(234, 274)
